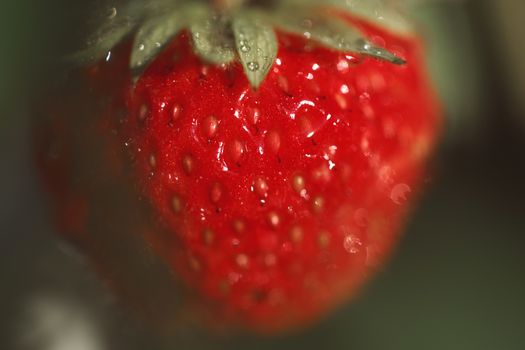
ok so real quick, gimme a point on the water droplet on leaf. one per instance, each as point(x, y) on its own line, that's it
point(244, 47)
point(253, 66)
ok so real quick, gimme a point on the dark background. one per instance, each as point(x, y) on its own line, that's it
point(456, 282)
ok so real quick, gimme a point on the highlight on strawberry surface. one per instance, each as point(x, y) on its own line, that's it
point(247, 164)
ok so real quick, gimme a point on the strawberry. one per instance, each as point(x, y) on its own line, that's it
point(276, 146)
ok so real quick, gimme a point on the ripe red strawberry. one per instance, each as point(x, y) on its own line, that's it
point(278, 166)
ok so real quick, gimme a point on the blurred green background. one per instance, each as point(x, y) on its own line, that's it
point(457, 281)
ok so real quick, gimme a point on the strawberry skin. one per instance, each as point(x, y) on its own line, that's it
point(284, 198)
point(273, 200)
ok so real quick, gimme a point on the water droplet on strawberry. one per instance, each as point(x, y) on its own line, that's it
point(352, 244)
point(399, 193)
point(309, 118)
point(306, 126)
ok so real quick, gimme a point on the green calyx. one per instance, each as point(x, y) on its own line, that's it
point(243, 33)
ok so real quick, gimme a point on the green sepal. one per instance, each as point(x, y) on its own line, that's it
point(384, 13)
point(332, 32)
point(256, 45)
point(100, 44)
point(212, 40)
point(153, 35)
point(112, 29)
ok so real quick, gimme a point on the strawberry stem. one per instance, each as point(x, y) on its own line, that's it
point(227, 5)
